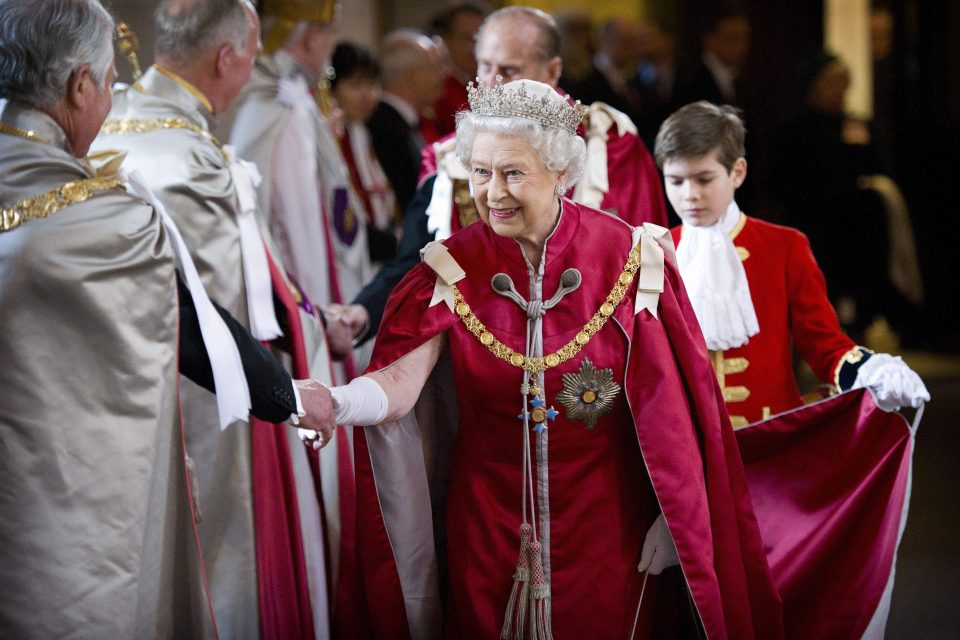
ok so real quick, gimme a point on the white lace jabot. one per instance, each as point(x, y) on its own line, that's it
point(716, 282)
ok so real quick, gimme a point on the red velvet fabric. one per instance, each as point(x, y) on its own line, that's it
point(636, 194)
point(668, 433)
point(790, 297)
point(829, 481)
point(285, 611)
point(453, 100)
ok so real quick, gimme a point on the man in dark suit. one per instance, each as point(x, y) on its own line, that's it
point(726, 42)
point(412, 82)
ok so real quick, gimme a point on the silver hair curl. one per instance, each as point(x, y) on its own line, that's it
point(558, 150)
point(196, 29)
point(42, 43)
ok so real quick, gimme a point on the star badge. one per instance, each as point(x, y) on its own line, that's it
point(588, 394)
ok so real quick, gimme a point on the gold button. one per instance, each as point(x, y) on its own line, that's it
point(589, 396)
point(538, 415)
point(606, 309)
point(582, 338)
point(516, 359)
point(626, 278)
point(463, 309)
point(486, 338)
point(552, 360)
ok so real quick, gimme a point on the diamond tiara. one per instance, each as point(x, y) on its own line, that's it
point(550, 109)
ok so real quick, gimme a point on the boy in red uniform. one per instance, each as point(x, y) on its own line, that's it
point(755, 287)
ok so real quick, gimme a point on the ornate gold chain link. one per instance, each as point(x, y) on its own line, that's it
point(21, 133)
point(567, 351)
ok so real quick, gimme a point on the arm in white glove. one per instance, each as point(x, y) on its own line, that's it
point(892, 383)
point(361, 402)
point(659, 551)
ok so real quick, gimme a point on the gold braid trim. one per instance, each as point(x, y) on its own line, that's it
point(567, 351)
point(43, 205)
point(120, 126)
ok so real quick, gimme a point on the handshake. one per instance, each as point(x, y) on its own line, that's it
point(344, 323)
point(318, 422)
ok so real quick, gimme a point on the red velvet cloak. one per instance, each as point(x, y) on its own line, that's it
point(678, 419)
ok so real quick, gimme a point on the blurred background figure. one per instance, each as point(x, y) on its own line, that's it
point(576, 46)
point(411, 85)
point(613, 65)
point(650, 90)
point(852, 217)
point(356, 91)
point(457, 27)
point(725, 42)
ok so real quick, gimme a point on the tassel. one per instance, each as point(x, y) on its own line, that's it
point(515, 617)
point(540, 627)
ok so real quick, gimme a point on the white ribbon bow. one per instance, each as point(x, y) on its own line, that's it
point(595, 184)
point(655, 242)
point(256, 270)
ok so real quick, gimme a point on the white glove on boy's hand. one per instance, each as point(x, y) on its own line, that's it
point(658, 552)
point(892, 383)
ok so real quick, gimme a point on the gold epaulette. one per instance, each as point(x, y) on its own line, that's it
point(120, 126)
point(41, 206)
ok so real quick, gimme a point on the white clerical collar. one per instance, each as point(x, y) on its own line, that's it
point(404, 108)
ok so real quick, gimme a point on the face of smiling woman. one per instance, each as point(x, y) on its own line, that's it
point(513, 191)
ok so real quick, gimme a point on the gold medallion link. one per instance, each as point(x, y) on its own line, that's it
point(567, 351)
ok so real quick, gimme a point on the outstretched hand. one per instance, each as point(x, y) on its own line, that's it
point(318, 424)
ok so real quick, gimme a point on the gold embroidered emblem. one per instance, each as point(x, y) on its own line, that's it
point(466, 207)
point(588, 394)
point(41, 206)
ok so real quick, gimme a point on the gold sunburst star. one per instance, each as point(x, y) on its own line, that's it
point(588, 393)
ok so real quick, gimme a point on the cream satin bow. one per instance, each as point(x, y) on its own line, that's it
point(438, 258)
point(655, 242)
point(106, 163)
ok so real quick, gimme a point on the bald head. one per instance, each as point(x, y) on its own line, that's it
point(410, 64)
point(519, 43)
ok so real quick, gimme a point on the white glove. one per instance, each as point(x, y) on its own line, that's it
point(659, 552)
point(316, 439)
point(892, 383)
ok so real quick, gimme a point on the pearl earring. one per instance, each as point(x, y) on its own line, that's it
point(559, 190)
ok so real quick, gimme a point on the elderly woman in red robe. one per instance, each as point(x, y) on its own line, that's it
point(549, 455)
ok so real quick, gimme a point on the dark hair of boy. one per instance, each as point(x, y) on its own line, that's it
point(699, 128)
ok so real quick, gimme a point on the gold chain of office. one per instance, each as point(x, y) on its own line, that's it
point(121, 126)
point(536, 364)
point(44, 204)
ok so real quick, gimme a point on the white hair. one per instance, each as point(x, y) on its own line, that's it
point(43, 42)
point(558, 149)
point(185, 33)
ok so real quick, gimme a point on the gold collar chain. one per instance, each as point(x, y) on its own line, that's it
point(21, 133)
point(120, 126)
point(542, 363)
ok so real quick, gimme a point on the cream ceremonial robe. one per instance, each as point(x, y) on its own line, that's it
point(199, 185)
point(306, 195)
point(96, 534)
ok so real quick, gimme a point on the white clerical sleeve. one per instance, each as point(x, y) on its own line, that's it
point(297, 218)
point(233, 394)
